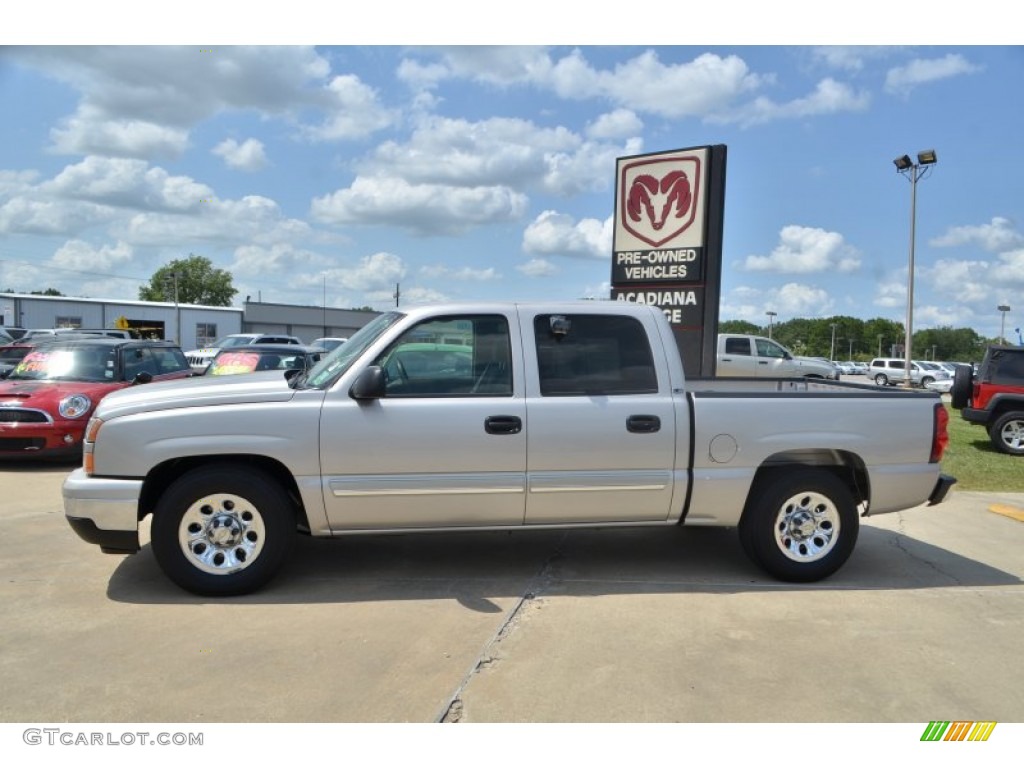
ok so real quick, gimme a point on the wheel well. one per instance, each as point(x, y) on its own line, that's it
point(162, 475)
point(847, 467)
point(1004, 405)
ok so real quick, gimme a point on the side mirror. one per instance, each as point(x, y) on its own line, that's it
point(370, 384)
point(142, 377)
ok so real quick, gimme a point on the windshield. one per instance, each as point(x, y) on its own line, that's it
point(337, 362)
point(11, 355)
point(79, 363)
point(232, 341)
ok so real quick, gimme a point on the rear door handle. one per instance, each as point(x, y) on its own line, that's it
point(503, 425)
point(643, 424)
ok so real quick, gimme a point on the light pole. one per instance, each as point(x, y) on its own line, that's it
point(832, 349)
point(914, 172)
point(879, 346)
point(771, 316)
point(1004, 308)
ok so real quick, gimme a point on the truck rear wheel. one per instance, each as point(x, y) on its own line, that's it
point(1007, 433)
point(801, 525)
point(223, 530)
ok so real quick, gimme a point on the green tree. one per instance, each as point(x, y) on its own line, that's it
point(198, 282)
point(739, 326)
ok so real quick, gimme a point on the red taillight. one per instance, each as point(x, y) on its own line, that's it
point(940, 434)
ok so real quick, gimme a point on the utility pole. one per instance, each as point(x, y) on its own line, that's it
point(398, 293)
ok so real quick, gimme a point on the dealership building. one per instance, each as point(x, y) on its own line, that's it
point(191, 325)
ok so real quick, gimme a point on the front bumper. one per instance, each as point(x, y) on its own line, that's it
point(103, 511)
point(942, 486)
point(56, 439)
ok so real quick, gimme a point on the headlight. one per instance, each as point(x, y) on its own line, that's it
point(74, 406)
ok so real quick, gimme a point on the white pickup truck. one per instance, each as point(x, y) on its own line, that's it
point(489, 417)
point(740, 354)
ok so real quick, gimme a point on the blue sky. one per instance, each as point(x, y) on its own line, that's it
point(487, 172)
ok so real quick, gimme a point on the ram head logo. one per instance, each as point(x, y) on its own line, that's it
point(655, 208)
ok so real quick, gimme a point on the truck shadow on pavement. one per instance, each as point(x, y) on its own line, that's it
point(472, 568)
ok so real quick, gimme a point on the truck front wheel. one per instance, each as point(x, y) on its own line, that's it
point(800, 526)
point(223, 530)
point(1007, 433)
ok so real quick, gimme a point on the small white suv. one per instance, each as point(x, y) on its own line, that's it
point(199, 359)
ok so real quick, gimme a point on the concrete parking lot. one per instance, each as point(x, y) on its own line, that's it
point(925, 622)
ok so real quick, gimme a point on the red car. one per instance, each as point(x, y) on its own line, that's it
point(48, 397)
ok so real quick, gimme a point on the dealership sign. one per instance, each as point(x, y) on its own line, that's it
point(667, 245)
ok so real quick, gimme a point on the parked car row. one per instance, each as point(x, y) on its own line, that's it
point(50, 383)
point(200, 359)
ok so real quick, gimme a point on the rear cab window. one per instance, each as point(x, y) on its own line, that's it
point(580, 354)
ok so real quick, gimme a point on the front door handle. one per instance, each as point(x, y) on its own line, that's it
point(503, 425)
point(643, 424)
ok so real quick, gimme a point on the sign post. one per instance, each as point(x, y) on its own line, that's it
point(667, 243)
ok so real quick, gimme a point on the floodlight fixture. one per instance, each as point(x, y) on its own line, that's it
point(927, 157)
point(903, 163)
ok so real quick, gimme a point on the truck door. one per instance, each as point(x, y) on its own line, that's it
point(736, 357)
point(602, 423)
point(773, 360)
point(446, 443)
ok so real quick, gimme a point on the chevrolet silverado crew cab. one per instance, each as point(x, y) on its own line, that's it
point(497, 417)
point(994, 398)
point(756, 356)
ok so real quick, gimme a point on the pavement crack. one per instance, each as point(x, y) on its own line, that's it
point(453, 709)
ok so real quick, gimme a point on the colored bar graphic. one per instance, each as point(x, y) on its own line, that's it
point(960, 730)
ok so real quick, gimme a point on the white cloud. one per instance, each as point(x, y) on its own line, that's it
point(50, 217)
point(497, 65)
point(696, 88)
point(127, 183)
point(553, 233)
point(797, 300)
point(284, 259)
point(998, 235)
point(247, 156)
point(354, 111)
point(538, 268)
point(902, 80)
point(803, 250)
point(508, 152)
point(440, 271)
point(375, 273)
point(89, 132)
point(253, 218)
point(619, 124)
point(121, 113)
point(82, 256)
point(829, 97)
point(421, 208)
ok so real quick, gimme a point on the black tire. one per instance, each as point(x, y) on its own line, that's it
point(800, 525)
point(927, 380)
point(1007, 433)
point(960, 393)
point(223, 530)
point(881, 379)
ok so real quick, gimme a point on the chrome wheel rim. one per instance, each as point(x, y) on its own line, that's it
point(807, 527)
point(222, 533)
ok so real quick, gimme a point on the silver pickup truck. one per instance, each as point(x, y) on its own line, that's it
point(489, 417)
